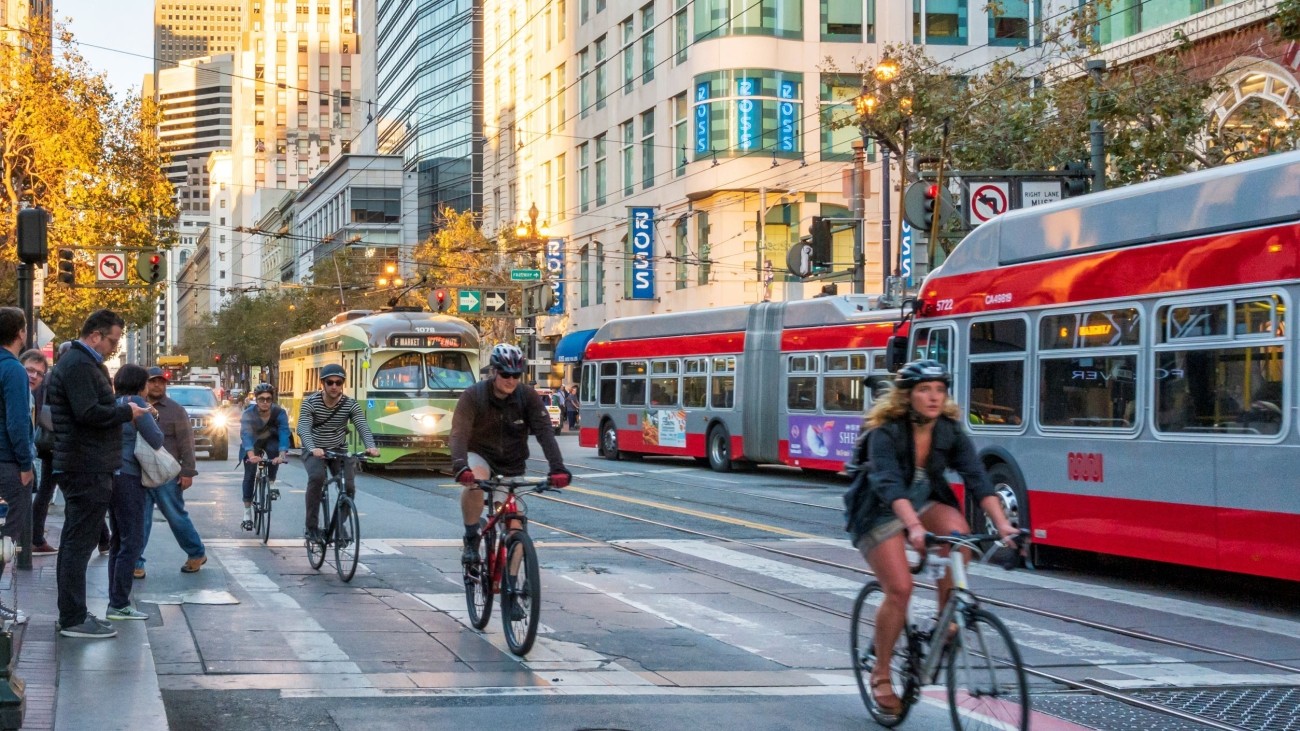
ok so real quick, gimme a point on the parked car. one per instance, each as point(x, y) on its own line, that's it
point(552, 408)
point(209, 418)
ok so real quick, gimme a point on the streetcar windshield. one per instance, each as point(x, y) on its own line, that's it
point(447, 371)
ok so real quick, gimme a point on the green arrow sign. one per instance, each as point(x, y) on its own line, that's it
point(469, 301)
point(525, 275)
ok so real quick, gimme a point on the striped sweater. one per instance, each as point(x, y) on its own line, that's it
point(326, 427)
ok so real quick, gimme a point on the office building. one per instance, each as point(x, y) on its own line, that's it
point(186, 29)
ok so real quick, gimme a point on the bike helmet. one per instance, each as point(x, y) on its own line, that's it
point(333, 370)
point(508, 359)
point(920, 371)
point(262, 388)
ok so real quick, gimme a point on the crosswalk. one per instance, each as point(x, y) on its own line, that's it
point(620, 625)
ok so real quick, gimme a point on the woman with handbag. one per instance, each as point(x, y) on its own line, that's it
point(126, 509)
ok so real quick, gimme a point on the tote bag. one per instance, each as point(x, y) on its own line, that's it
point(157, 466)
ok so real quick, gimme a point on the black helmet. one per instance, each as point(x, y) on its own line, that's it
point(508, 359)
point(333, 370)
point(920, 371)
point(262, 388)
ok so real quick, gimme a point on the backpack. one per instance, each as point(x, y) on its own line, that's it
point(858, 496)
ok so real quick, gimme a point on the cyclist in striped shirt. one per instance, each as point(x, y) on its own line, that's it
point(323, 424)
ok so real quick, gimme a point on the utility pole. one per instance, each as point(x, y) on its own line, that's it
point(1097, 137)
point(859, 214)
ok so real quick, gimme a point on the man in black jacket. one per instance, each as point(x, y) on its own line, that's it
point(87, 450)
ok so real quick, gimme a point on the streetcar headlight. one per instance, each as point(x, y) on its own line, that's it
point(425, 422)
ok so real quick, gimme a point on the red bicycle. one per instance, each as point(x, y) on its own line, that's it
point(507, 563)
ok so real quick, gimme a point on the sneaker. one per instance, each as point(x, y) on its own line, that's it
point(17, 616)
point(192, 565)
point(313, 535)
point(469, 555)
point(90, 628)
point(138, 573)
point(44, 549)
point(127, 612)
point(248, 514)
point(100, 622)
point(517, 611)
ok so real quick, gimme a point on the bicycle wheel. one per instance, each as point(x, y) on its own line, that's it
point(521, 593)
point(265, 514)
point(478, 581)
point(316, 549)
point(259, 489)
point(347, 537)
point(987, 686)
point(862, 634)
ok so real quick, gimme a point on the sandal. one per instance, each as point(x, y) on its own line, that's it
point(887, 701)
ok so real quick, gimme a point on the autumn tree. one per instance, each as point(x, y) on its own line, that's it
point(90, 159)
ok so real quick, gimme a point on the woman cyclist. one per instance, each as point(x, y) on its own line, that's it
point(263, 427)
point(913, 437)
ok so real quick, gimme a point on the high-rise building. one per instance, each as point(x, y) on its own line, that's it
point(188, 29)
point(17, 16)
point(428, 99)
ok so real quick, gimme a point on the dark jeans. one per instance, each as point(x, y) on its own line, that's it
point(41, 503)
point(88, 495)
point(250, 473)
point(316, 480)
point(573, 420)
point(170, 500)
point(19, 498)
point(126, 515)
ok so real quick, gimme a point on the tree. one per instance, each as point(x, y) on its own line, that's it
point(91, 160)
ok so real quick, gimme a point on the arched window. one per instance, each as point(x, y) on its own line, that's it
point(1259, 99)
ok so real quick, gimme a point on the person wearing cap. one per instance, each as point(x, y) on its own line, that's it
point(169, 497)
point(323, 425)
point(263, 431)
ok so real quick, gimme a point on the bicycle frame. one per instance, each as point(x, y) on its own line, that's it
point(507, 512)
point(959, 600)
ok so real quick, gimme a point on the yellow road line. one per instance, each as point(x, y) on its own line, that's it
point(696, 513)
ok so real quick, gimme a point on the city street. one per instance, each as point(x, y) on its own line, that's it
point(673, 598)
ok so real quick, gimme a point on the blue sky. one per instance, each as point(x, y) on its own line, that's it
point(122, 25)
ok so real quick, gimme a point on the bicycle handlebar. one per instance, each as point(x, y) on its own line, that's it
point(344, 454)
point(538, 484)
point(972, 541)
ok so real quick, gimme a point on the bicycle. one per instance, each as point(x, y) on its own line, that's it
point(504, 542)
point(341, 527)
point(263, 495)
point(986, 682)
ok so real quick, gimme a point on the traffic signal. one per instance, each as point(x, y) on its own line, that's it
point(1079, 179)
point(820, 238)
point(151, 267)
point(439, 300)
point(33, 240)
point(930, 207)
point(67, 268)
point(216, 357)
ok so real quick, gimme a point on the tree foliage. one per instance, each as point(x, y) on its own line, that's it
point(92, 160)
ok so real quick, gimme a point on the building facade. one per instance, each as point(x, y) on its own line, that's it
point(185, 29)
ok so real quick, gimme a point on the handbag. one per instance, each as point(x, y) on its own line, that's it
point(157, 466)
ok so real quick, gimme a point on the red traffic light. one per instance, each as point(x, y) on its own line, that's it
point(155, 259)
point(932, 191)
point(216, 357)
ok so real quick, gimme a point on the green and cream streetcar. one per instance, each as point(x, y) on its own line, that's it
point(407, 368)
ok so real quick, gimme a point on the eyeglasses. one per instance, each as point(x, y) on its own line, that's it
point(511, 376)
point(266, 399)
point(333, 382)
point(35, 372)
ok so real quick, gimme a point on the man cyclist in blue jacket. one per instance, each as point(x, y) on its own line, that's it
point(263, 428)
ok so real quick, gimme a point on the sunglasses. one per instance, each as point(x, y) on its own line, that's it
point(333, 382)
point(511, 376)
point(266, 399)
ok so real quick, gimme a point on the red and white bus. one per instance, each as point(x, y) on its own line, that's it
point(1127, 366)
point(775, 382)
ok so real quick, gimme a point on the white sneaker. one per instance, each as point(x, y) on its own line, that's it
point(248, 515)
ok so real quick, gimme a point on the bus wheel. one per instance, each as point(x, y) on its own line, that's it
point(1011, 494)
point(719, 446)
point(609, 441)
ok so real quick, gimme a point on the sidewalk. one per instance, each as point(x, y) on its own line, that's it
point(76, 684)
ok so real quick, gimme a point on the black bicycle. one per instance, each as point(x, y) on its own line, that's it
point(263, 497)
point(340, 525)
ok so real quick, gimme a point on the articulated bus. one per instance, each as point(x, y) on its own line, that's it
point(1126, 363)
point(407, 368)
point(775, 382)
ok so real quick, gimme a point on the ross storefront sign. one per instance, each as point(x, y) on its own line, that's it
point(746, 114)
point(785, 117)
point(642, 228)
point(555, 272)
point(703, 120)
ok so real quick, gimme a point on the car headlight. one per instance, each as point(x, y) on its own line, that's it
point(219, 421)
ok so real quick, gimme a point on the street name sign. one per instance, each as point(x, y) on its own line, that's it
point(525, 275)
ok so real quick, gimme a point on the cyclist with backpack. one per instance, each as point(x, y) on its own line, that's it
point(323, 424)
point(489, 436)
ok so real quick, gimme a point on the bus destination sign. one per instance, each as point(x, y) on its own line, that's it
point(424, 340)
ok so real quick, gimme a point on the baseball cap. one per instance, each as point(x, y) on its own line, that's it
point(156, 372)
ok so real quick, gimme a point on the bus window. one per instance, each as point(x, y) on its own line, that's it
point(997, 372)
point(663, 383)
point(1091, 392)
point(1096, 329)
point(1194, 321)
point(588, 388)
point(400, 373)
point(934, 343)
point(842, 388)
point(1231, 390)
point(801, 384)
point(608, 384)
point(1260, 317)
point(695, 383)
point(723, 393)
point(631, 383)
point(448, 371)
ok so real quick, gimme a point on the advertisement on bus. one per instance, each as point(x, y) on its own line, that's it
point(824, 437)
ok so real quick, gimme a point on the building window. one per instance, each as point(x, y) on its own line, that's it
point(941, 22)
point(324, 73)
point(848, 21)
point(602, 71)
point(629, 172)
point(680, 127)
point(584, 82)
point(584, 11)
point(584, 276)
point(561, 109)
point(681, 32)
point(702, 244)
point(648, 149)
point(584, 179)
point(600, 273)
point(628, 30)
point(602, 179)
point(561, 198)
point(376, 205)
point(779, 18)
point(746, 111)
point(345, 73)
point(1010, 24)
point(680, 252)
point(561, 20)
point(838, 93)
point(647, 43)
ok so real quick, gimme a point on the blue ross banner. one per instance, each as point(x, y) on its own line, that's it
point(785, 116)
point(905, 253)
point(703, 120)
point(642, 228)
point(555, 272)
point(746, 114)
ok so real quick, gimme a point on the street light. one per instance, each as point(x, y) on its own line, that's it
point(871, 104)
point(529, 232)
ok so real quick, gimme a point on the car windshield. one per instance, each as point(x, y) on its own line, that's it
point(201, 397)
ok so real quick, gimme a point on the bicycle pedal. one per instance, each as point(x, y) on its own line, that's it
point(246, 525)
point(275, 494)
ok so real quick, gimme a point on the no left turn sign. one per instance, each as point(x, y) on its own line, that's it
point(988, 200)
point(110, 267)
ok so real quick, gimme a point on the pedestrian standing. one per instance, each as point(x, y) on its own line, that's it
point(36, 365)
point(17, 450)
point(178, 440)
point(559, 400)
point(45, 453)
point(126, 507)
point(572, 408)
point(87, 451)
